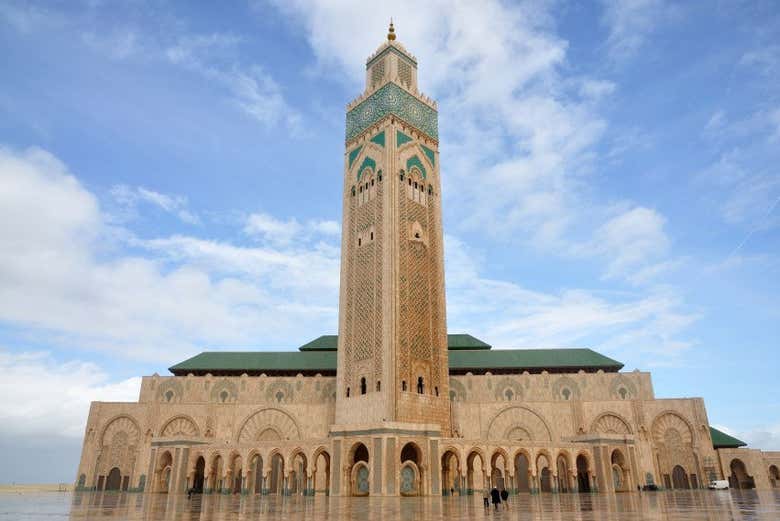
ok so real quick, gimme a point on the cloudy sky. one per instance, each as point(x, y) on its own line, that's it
point(170, 182)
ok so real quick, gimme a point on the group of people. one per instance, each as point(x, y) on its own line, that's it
point(496, 498)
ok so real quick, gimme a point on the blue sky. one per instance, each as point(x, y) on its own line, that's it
point(170, 178)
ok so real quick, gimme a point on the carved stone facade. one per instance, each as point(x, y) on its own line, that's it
point(392, 411)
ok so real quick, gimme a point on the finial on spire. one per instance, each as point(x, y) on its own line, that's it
point(391, 31)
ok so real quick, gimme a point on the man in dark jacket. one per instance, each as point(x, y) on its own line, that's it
point(505, 498)
point(495, 497)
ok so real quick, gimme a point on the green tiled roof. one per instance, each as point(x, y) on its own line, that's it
point(314, 361)
point(454, 342)
point(532, 359)
point(721, 440)
point(237, 362)
point(323, 343)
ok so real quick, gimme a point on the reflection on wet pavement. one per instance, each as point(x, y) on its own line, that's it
point(682, 505)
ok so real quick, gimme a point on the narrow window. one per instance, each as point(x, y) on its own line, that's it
point(372, 182)
point(360, 189)
point(366, 186)
point(403, 385)
point(378, 386)
point(420, 386)
point(353, 191)
point(402, 176)
point(380, 176)
point(415, 185)
point(359, 241)
point(372, 236)
point(430, 190)
point(362, 386)
point(347, 392)
point(410, 181)
point(436, 391)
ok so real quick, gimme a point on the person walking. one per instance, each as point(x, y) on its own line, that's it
point(505, 498)
point(485, 501)
point(495, 496)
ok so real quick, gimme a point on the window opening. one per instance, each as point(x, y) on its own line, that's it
point(436, 391)
point(378, 386)
point(372, 236)
point(347, 392)
point(420, 386)
point(403, 385)
point(362, 386)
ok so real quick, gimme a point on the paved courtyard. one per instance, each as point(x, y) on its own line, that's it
point(689, 505)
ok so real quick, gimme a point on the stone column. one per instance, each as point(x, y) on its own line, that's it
point(150, 475)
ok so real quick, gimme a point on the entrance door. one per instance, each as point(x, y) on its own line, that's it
point(114, 480)
point(680, 478)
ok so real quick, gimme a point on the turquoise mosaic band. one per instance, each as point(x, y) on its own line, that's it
point(392, 99)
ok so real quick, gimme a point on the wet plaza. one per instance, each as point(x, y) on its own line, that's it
point(682, 505)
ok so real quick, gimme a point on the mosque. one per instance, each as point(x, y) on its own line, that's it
point(394, 405)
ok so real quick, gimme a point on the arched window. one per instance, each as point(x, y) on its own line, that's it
point(566, 393)
point(168, 395)
point(415, 185)
point(372, 182)
point(403, 385)
point(623, 393)
point(436, 391)
point(379, 176)
point(362, 386)
point(410, 181)
point(353, 191)
point(347, 392)
point(420, 386)
point(360, 189)
point(430, 190)
point(378, 386)
point(509, 395)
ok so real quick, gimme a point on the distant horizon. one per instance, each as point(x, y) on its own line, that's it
point(171, 175)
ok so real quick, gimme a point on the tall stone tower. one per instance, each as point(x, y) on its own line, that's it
point(392, 348)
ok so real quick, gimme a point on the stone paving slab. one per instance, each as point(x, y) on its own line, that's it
point(679, 505)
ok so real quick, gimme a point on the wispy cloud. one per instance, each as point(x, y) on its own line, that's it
point(129, 198)
point(630, 23)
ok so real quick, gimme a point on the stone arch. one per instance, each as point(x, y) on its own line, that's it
point(268, 420)
point(121, 422)
point(507, 390)
point(512, 418)
point(450, 471)
point(224, 391)
point(620, 471)
point(739, 477)
point(584, 470)
point(458, 391)
point(522, 461)
point(544, 466)
point(564, 466)
point(774, 476)
point(565, 388)
point(671, 420)
point(321, 471)
point(180, 425)
point(476, 477)
point(299, 471)
point(610, 423)
point(498, 472)
point(410, 479)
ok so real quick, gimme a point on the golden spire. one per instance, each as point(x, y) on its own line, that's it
point(391, 31)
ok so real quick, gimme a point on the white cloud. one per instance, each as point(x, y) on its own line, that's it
point(644, 330)
point(630, 23)
point(53, 397)
point(174, 204)
point(631, 240)
point(264, 227)
point(521, 136)
point(765, 437)
point(59, 275)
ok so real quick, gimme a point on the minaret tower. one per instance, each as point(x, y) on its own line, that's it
point(392, 349)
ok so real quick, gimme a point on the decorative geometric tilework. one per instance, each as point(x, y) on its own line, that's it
point(430, 154)
point(401, 138)
point(415, 161)
point(392, 99)
point(379, 139)
point(353, 154)
point(367, 162)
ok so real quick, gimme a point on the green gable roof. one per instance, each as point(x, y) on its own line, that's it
point(721, 440)
point(238, 362)
point(454, 342)
point(532, 360)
